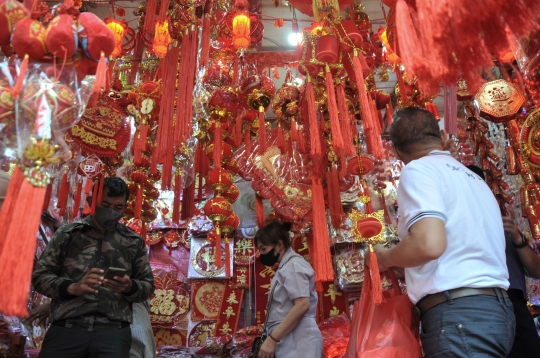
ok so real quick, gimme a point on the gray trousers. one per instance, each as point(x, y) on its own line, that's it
point(474, 327)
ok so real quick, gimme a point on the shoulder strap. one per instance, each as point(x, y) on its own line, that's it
point(270, 298)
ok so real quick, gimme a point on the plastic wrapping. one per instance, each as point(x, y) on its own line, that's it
point(388, 330)
point(349, 265)
point(335, 332)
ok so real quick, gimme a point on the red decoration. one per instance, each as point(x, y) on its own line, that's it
point(29, 39)
point(11, 12)
point(61, 37)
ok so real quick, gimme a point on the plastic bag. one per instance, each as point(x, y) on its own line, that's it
point(388, 330)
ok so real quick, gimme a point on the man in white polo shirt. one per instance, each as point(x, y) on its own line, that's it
point(452, 246)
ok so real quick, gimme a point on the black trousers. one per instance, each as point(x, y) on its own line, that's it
point(526, 342)
point(61, 342)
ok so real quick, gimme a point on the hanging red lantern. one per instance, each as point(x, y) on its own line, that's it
point(241, 33)
point(231, 194)
point(162, 39)
point(218, 209)
point(220, 180)
point(118, 28)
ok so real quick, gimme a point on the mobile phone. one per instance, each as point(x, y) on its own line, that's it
point(114, 271)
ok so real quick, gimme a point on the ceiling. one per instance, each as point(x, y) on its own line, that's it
point(275, 39)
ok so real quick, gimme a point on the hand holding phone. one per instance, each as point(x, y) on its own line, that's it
point(114, 271)
point(121, 284)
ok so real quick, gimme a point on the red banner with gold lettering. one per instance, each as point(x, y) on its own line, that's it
point(263, 282)
point(229, 312)
point(206, 297)
point(332, 302)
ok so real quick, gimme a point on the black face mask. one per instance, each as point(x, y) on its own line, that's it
point(106, 218)
point(269, 259)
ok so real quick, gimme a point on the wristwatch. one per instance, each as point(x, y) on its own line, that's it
point(523, 243)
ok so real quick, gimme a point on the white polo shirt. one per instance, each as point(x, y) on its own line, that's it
point(438, 186)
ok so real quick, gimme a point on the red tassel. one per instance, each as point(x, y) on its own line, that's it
point(301, 143)
point(177, 196)
point(144, 229)
point(139, 145)
point(235, 70)
point(262, 131)
point(138, 202)
point(19, 220)
point(77, 200)
point(321, 240)
point(368, 118)
point(238, 129)
point(23, 68)
point(259, 210)
point(100, 81)
point(88, 186)
point(94, 197)
point(294, 131)
point(101, 183)
point(163, 11)
point(218, 139)
point(150, 17)
point(319, 287)
point(410, 46)
point(63, 193)
point(280, 138)
point(219, 261)
point(205, 49)
point(335, 128)
point(315, 136)
point(348, 146)
point(376, 287)
point(48, 195)
point(227, 257)
point(389, 115)
point(188, 202)
point(387, 218)
point(334, 197)
point(247, 141)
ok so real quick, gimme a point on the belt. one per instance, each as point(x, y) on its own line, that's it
point(430, 301)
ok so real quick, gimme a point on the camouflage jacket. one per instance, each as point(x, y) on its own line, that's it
point(74, 250)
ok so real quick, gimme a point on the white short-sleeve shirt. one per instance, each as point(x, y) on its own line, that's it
point(438, 186)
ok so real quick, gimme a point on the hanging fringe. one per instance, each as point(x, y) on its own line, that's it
point(205, 50)
point(301, 143)
point(188, 201)
point(280, 138)
point(23, 68)
point(376, 286)
point(100, 81)
point(19, 220)
point(77, 200)
point(335, 128)
point(218, 139)
point(101, 183)
point(137, 211)
point(177, 195)
point(219, 261)
point(389, 115)
point(348, 146)
point(63, 193)
point(163, 11)
point(368, 118)
point(334, 197)
point(321, 239)
point(139, 144)
point(315, 136)
point(262, 131)
point(48, 195)
point(227, 257)
point(150, 17)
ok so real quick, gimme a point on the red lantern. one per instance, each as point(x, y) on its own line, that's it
point(118, 28)
point(162, 39)
point(226, 151)
point(218, 209)
point(219, 180)
point(223, 103)
point(369, 227)
point(360, 165)
point(257, 91)
point(229, 225)
point(241, 33)
point(231, 194)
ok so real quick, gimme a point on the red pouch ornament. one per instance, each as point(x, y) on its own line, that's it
point(11, 12)
point(95, 37)
point(29, 39)
point(61, 37)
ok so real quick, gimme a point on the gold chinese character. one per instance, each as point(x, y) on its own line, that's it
point(208, 255)
point(332, 293)
point(267, 271)
point(267, 287)
point(244, 246)
point(305, 245)
point(242, 279)
point(334, 312)
point(232, 298)
point(225, 329)
point(229, 312)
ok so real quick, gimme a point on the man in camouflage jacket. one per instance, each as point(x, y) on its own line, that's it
point(91, 315)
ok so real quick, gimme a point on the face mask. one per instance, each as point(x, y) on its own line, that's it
point(269, 259)
point(106, 218)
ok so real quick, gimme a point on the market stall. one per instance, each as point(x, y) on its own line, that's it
point(219, 126)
